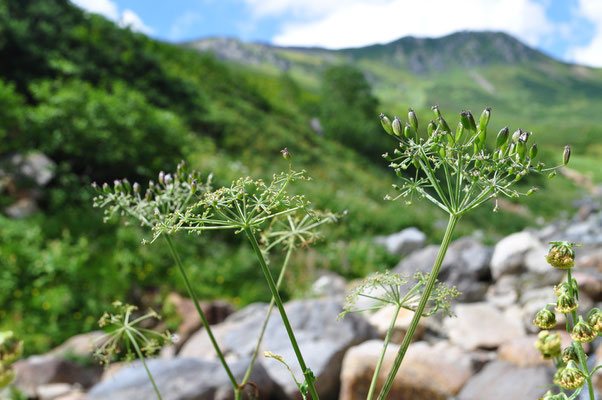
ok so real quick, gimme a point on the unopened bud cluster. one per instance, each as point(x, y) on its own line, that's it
point(10, 350)
point(572, 369)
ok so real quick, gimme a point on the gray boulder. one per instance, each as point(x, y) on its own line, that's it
point(322, 339)
point(466, 265)
point(182, 379)
point(500, 380)
point(404, 242)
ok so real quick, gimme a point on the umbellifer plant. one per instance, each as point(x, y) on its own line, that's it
point(571, 363)
point(457, 172)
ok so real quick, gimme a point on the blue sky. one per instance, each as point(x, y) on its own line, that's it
point(570, 30)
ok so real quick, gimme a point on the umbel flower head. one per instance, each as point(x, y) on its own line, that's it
point(561, 255)
point(571, 377)
point(548, 344)
point(582, 332)
point(455, 170)
point(124, 333)
point(545, 319)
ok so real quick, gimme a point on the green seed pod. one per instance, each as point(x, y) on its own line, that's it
point(595, 321)
point(106, 188)
point(570, 353)
point(126, 185)
point(545, 319)
point(436, 111)
point(561, 255)
point(96, 187)
point(571, 377)
point(459, 132)
point(386, 123)
point(484, 120)
point(566, 155)
point(396, 126)
point(532, 191)
point(566, 304)
point(431, 128)
point(193, 187)
point(413, 119)
point(583, 333)
point(387, 157)
point(443, 125)
point(407, 130)
point(517, 134)
point(473, 125)
point(117, 186)
point(464, 119)
point(533, 151)
point(549, 344)
point(520, 151)
point(552, 175)
point(286, 154)
point(502, 138)
point(442, 152)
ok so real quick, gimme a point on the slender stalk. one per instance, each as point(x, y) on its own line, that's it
point(580, 351)
point(245, 379)
point(382, 355)
point(451, 225)
point(141, 357)
point(195, 300)
point(278, 301)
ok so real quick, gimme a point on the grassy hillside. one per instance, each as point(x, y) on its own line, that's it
point(105, 103)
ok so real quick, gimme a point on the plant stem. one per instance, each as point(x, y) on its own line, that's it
point(580, 351)
point(245, 379)
point(278, 301)
point(382, 354)
point(195, 300)
point(141, 357)
point(451, 225)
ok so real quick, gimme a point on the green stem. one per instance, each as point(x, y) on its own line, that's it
point(278, 301)
point(580, 351)
point(451, 225)
point(195, 300)
point(245, 379)
point(382, 355)
point(141, 357)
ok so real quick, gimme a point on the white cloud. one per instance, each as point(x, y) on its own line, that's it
point(351, 23)
point(182, 25)
point(110, 10)
point(590, 54)
point(134, 22)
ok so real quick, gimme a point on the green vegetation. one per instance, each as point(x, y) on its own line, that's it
point(104, 103)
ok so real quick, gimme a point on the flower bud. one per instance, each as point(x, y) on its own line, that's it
point(162, 178)
point(484, 120)
point(431, 128)
point(566, 155)
point(517, 135)
point(532, 190)
point(168, 179)
point(117, 186)
point(436, 111)
point(595, 321)
point(571, 377)
point(545, 319)
point(472, 125)
point(459, 132)
point(570, 353)
point(552, 175)
point(413, 119)
point(561, 255)
point(533, 151)
point(126, 185)
point(397, 128)
point(407, 130)
point(464, 119)
point(386, 123)
point(520, 150)
point(106, 188)
point(502, 138)
point(566, 304)
point(136, 187)
point(193, 187)
point(95, 187)
point(549, 344)
point(583, 333)
point(443, 125)
point(286, 154)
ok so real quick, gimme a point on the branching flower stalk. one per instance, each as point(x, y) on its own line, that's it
point(458, 173)
point(244, 207)
point(387, 289)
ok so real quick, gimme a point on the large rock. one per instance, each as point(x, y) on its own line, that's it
point(427, 372)
point(322, 339)
point(522, 352)
point(482, 325)
point(404, 242)
point(36, 371)
point(182, 379)
point(501, 381)
point(329, 284)
point(522, 251)
point(381, 320)
point(466, 265)
point(79, 346)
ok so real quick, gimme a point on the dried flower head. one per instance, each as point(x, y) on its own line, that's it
point(390, 288)
point(566, 303)
point(571, 377)
point(549, 344)
point(545, 319)
point(570, 353)
point(124, 333)
point(595, 320)
point(582, 332)
point(561, 255)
